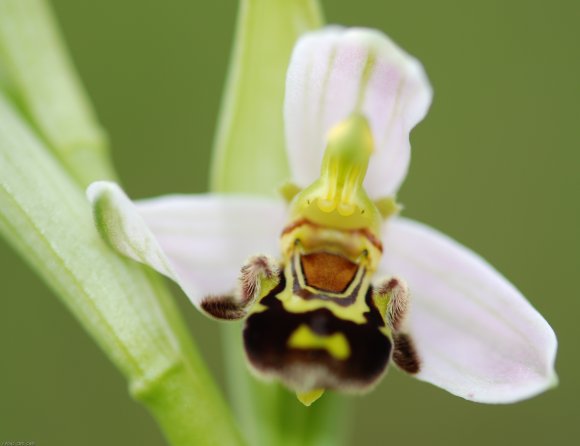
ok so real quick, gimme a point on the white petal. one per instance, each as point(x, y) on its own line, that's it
point(200, 241)
point(476, 335)
point(335, 72)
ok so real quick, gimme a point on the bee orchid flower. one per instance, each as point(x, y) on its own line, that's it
point(335, 284)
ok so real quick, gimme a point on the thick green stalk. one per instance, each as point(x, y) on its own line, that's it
point(249, 156)
point(46, 217)
point(44, 84)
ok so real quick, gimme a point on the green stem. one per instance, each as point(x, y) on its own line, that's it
point(46, 217)
point(249, 156)
point(42, 81)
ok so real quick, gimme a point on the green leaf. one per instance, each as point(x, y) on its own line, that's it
point(41, 78)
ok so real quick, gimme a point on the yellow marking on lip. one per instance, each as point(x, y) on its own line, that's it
point(305, 338)
point(258, 308)
point(354, 312)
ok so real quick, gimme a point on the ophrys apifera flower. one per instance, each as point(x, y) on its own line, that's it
point(334, 308)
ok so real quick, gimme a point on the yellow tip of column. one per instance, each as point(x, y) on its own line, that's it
point(307, 398)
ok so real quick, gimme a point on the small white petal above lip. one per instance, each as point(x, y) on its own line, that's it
point(200, 241)
point(335, 72)
point(475, 334)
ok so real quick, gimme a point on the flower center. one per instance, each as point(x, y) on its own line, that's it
point(337, 198)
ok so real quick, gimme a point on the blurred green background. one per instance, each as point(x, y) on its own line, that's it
point(496, 165)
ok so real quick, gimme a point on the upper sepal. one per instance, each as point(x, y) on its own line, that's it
point(336, 72)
